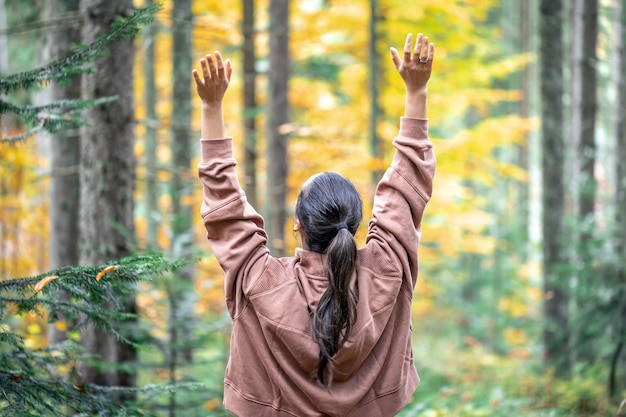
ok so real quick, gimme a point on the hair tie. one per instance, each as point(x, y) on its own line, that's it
point(341, 225)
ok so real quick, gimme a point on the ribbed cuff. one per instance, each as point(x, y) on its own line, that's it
point(413, 128)
point(212, 149)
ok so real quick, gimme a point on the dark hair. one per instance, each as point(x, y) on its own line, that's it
point(329, 209)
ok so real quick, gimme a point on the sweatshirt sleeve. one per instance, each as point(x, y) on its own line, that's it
point(234, 229)
point(400, 199)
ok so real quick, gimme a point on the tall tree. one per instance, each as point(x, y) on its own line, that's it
point(107, 177)
point(249, 101)
point(181, 123)
point(4, 46)
point(376, 150)
point(64, 156)
point(619, 351)
point(181, 313)
point(587, 150)
point(584, 103)
point(555, 334)
point(151, 193)
point(527, 30)
point(277, 117)
point(620, 174)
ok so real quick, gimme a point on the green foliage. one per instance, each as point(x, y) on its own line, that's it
point(30, 380)
point(66, 114)
point(469, 380)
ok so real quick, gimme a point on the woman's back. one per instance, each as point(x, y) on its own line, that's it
point(277, 365)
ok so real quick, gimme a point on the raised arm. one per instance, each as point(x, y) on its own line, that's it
point(415, 70)
point(211, 89)
point(406, 187)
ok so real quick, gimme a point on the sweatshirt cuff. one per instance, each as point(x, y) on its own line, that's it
point(413, 128)
point(212, 149)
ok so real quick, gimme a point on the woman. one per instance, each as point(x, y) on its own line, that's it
point(326, 332)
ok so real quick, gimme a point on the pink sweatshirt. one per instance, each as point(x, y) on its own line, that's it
point(273, 358)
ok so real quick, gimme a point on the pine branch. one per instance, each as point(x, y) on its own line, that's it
point(23, 136)
point(64, 68)
point(68, 116)
point(28, 381)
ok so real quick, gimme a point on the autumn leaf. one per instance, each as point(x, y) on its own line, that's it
point(45, 281)
point(105, 271)
point(61, 326)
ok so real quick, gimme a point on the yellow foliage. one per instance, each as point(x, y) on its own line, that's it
point(165, 204)
point(514, 336)
point(209, 284)
point(212, 404)
point(329, 118)
point(513, 307)
point(23, 210)
point(34, 328)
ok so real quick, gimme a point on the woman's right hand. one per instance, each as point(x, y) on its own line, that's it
point(215, 79)
point(416, 66)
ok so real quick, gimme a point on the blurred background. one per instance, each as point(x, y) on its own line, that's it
point(520, 306)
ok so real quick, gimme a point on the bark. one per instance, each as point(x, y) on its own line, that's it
point(620, 173)
point(107, 177)
point(64, 157)
point(555, 334)
point(376, 150)
point(182, 180)
point(587, 150)
point(181, 122)
point(527, 32)
point(249, 102)
point(572, 154)
point(4, 44)
point(151, 194)
point(584, 104)
point(277, 118)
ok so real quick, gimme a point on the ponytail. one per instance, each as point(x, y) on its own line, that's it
point(329, 209)
point(336, 312)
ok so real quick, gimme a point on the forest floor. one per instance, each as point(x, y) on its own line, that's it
point(470, 381)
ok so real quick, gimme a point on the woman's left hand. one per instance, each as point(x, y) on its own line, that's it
point(216, 77)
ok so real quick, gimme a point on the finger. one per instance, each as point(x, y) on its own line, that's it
point(395, 57)
point(197, 78)
point(220, 64)
point(418, 46)
point(229, 69)
point(431, 52)
point(205, 69)
point(407, 47)
point(212, 66)
point(424, 48)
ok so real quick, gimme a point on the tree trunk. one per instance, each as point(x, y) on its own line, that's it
point(4, 44)
point(584, 103)
point(555, 334)
point(620, 146)
point(277, 117)
point(181, 122)
point(249, 102)
point(64, 158)
point(182, 185)
point(614, 384)
point(152, 193)
point(576, 82)
point(587, 150)
point(376, 150)
point(527, 30)
point(107, 177)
